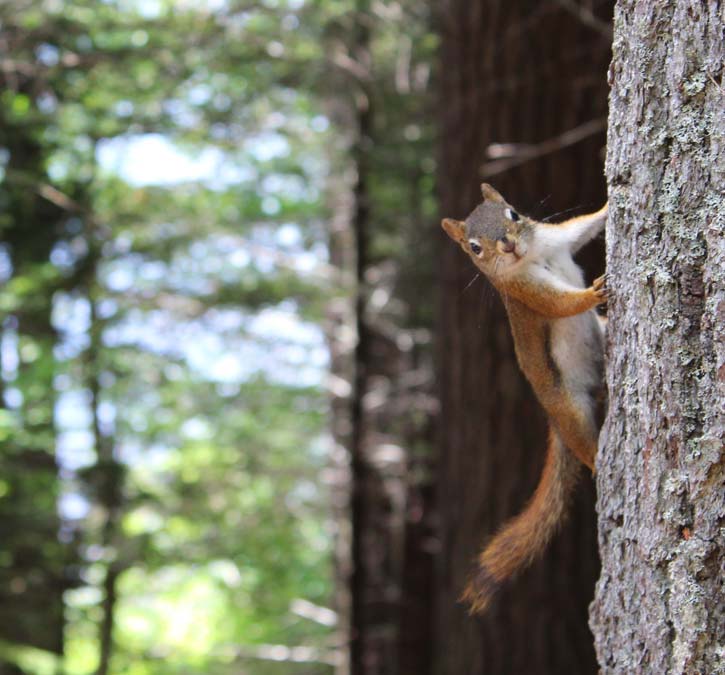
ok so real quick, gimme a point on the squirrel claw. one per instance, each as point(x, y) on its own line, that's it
point(599, 287)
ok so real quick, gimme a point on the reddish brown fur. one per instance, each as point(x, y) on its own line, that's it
point(578, 433)
point(532, 307)
point(553, 303)
point(526, 536)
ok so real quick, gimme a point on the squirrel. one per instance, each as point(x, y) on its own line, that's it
point(558, 340)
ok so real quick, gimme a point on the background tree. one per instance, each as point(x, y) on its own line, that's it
point(659, 605)
point(36, 565)
point(168, 171)
point(382, 404)
point(523, 100)
point(152, 457)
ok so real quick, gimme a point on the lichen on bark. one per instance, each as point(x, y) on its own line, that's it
point(660, 605)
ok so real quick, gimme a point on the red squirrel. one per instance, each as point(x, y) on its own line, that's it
point(558, 339)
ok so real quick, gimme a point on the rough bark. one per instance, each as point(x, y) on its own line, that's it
point(660, 606)
point(505, 80)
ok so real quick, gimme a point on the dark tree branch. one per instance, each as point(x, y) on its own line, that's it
point(516, 154)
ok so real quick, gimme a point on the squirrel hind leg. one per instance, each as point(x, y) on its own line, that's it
point(574, 418)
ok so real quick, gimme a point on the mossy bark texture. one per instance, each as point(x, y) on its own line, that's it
point(660, 604)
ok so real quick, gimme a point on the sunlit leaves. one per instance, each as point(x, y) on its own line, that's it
point(189, 459)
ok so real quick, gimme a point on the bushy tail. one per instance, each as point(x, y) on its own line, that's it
point(526, 536)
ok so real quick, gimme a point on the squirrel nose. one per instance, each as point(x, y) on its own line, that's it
point(507, 245)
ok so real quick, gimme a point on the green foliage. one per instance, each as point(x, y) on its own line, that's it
point(137, 399)
point(162, 413)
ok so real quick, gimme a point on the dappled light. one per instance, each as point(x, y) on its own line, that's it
point(163, 263)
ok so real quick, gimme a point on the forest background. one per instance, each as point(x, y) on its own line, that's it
point(229, 324)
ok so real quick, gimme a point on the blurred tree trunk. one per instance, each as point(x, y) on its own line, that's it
point(371, 575)
point(390, 629)
point(525, 73)
point(32, 578)
point(660, 606)
point(380, 347)
point(108, 473)
point(339, 329)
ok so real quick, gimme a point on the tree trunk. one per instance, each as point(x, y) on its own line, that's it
point(339, 325)
point(504, 79)
point(33, 578)
point(660, 606)
point(383, 420)
point(108, 605)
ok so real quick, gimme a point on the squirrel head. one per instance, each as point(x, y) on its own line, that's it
point(494, 234)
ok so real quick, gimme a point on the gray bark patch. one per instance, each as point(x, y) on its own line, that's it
point(660, 603)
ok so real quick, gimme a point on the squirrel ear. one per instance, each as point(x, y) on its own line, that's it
point(491, 193)
point(455, 229)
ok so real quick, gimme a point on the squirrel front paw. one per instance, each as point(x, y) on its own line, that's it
point(599, 289)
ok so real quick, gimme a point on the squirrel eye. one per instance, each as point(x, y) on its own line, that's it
point(475, 247)
point(511, 214)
